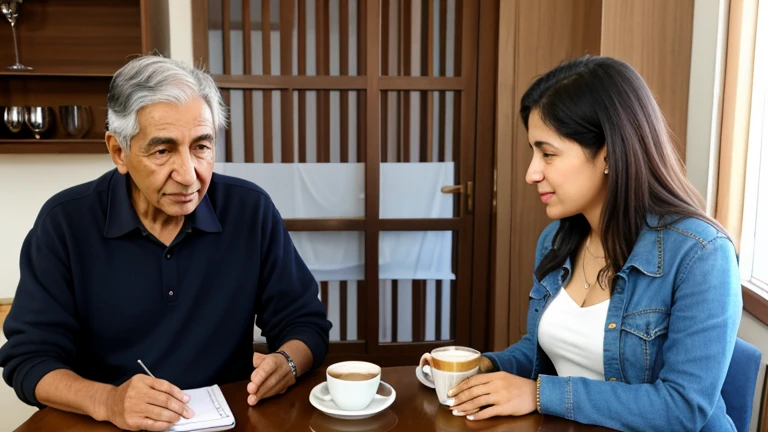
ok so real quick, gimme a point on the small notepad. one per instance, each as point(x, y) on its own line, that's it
point(212, 412)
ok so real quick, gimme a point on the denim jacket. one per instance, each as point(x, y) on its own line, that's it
point(669, 335)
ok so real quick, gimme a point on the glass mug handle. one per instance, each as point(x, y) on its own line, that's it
point(426, 368)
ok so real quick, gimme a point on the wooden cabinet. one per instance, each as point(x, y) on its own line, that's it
point(74, 47)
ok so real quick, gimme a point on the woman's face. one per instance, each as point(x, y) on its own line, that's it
point(568, 180)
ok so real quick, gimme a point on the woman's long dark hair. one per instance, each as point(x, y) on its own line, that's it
point(601, 101)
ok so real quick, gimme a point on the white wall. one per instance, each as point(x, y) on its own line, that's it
point(710, 31)
point(26, 182)
point(180, 29)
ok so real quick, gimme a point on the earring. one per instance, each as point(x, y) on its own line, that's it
point(605, 171)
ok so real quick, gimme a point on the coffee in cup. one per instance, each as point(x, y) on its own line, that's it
point(446, 367)
point(353, 384)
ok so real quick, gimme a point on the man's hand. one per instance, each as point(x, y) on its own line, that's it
point(272, 376)
point(500, 392)
point(147, 403)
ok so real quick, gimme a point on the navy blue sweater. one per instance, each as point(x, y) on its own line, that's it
point(98, 292)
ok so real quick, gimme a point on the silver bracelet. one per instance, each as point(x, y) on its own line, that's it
point(291, 364)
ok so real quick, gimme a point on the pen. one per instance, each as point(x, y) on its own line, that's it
point(145, 368)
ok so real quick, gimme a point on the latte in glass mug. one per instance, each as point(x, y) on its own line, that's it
point(446, 367)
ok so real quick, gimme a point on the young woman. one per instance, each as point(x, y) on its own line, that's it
point(636, 298)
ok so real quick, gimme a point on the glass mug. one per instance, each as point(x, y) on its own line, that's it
point(446, 367)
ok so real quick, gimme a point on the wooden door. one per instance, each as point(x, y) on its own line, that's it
point(380, 98)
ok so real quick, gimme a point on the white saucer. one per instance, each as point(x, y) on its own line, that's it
point(422, 378)
point(378, 404)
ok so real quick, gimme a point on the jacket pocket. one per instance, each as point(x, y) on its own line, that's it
point(643, 334)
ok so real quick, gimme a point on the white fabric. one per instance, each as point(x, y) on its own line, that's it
point(572, 336)
point(337, 190)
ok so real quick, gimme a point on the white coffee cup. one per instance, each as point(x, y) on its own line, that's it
point(446, 367)
point(353, 384)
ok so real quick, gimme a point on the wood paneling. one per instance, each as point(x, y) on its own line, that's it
point(75, 36)
point(484, 149)
point(4, 309)
point(654, 36)
point(155, 34)
point(506, 119)
point(755, 304)
point(200, 33)
point(534, 37)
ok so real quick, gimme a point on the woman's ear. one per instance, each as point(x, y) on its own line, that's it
point(604, 154)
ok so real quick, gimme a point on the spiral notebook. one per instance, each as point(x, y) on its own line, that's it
point(212, 412)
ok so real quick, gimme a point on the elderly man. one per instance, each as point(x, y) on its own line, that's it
point(160, 260)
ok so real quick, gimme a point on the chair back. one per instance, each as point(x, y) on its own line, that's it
point(739, 386)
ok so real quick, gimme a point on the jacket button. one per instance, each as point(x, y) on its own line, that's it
point(612, 379)
point(612, 325)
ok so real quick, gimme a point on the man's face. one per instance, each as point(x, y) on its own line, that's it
point(171, 158)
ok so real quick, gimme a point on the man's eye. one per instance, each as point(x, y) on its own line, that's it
point(548, 155)
point(161, 152)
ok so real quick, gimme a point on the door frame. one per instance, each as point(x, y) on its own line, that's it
point(477, 83)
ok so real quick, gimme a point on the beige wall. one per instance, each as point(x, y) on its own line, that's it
point(26, 182)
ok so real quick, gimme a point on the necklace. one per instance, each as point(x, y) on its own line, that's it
point(590, 252)
point(584, 269)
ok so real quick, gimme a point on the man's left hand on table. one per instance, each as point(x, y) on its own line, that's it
point(272, 376)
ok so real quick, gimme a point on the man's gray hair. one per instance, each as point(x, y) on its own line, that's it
point(153, 79)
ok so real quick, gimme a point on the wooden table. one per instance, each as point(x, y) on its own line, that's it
point(415, 409)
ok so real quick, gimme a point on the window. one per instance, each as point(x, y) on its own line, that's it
point(754, 243)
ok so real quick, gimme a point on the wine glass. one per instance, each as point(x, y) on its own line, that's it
point(10, 8)
point(76, 119)
point(38, 118)
point(14, 118)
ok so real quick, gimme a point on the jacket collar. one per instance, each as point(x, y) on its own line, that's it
point(648, 253)
point(122, 218)
point(647, 256)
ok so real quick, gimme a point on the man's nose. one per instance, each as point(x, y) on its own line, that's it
point(184, 173)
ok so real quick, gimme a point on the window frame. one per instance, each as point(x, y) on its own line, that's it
point(755, 291)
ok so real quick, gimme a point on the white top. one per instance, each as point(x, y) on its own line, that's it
point(572, 336)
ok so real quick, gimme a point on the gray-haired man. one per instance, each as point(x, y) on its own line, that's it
point(160, 260)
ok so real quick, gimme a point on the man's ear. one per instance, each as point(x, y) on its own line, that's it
point(117, 153)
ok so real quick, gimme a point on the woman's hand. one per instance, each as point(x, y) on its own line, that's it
point(501, 394)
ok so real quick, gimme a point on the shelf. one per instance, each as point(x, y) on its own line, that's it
point(55, 146)
point(45, 73)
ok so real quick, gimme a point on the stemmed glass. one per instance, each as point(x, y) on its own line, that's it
point(14, 118)
point(39, 119)
point(10, 9)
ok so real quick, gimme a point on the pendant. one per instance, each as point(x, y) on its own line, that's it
point(586, 286)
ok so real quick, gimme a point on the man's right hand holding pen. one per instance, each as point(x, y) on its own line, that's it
point(141, 403)
point(148, 403)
